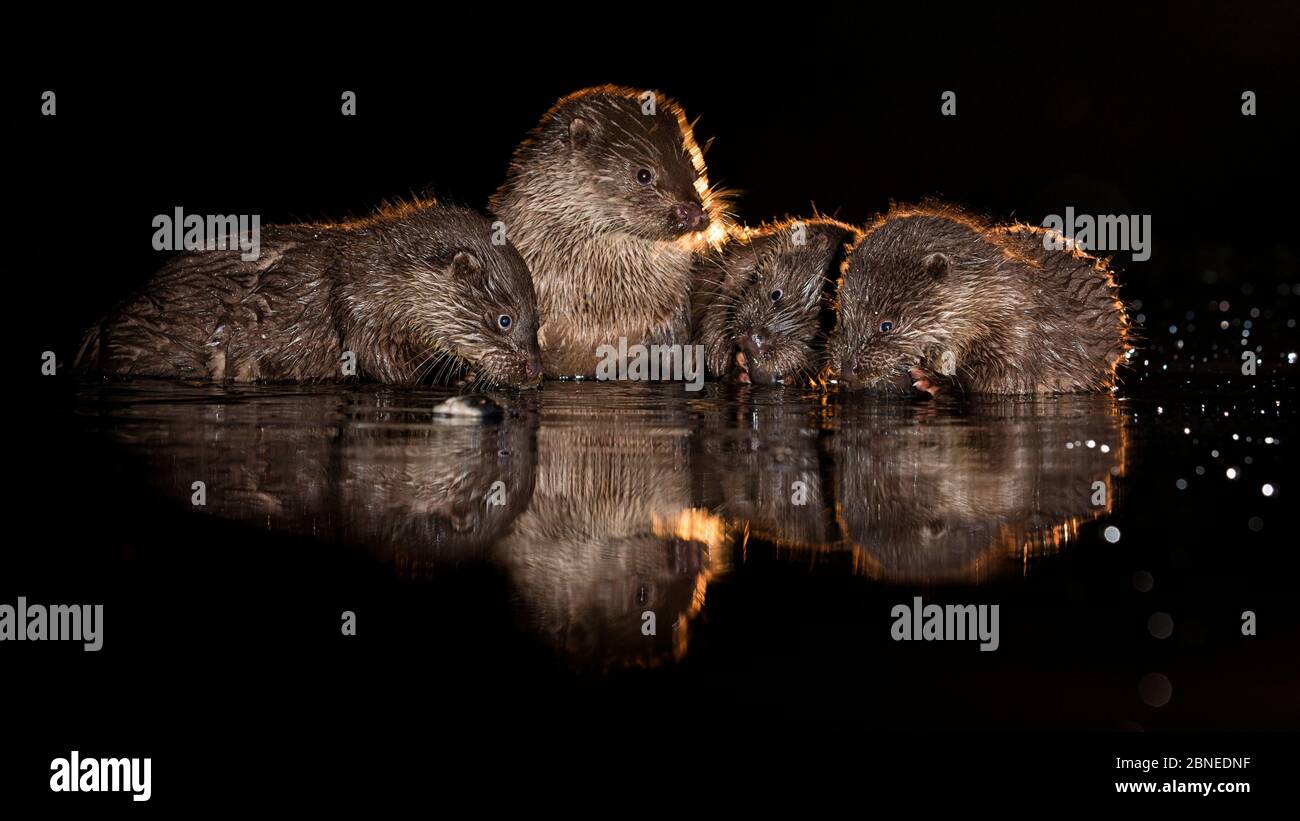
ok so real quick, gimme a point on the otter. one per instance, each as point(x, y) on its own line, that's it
point(760, 468)
point(937, 298)
point(966, 504)
point(765, 303)
point(609, 202)
point(612, 532)
point(383, 474)
point(416, 292)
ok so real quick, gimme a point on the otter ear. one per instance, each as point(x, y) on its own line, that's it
point(741, 260)
point(579, 132)
point(937, 265)
point(465, 266)
point(818, 238)
point(741, 255)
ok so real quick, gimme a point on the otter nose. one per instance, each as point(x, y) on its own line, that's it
point(752, 342)
point(690, 216)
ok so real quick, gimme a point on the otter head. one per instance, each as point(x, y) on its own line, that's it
point(774, 303)
point(889, 312)
point(618, 159)
point(473, 303)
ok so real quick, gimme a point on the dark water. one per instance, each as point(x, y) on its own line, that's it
point(769, 532)
point(607, 501)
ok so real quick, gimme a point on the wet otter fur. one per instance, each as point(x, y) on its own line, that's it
point(383, 475)
point(966, 504)
point(417, 291)
point(765, 303)
point(942, 300)
point(609, 206)
point(611, 533)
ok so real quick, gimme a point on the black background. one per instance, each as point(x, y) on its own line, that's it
point(1132, 112)
point(1119, 113)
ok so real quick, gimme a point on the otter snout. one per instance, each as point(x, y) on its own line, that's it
point(856, 376)
point(753, 357)
point(523, 371)
point(852, 372)
point(851, 376)
point(752, 342)
point(689, 217)
point(533, 370)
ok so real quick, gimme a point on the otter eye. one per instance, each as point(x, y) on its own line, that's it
point(505, 321)
point(886, 326)
point(777, 294)
point(644, 176)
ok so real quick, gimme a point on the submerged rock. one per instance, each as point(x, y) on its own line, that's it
point(470, 406)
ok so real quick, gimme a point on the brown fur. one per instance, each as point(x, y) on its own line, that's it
point(761, 469)
point(380, 476)
point(1011, 316)
point(955, 503)
point(780, 339)
point(609, 534)
point(606, 256)
point(414, 291)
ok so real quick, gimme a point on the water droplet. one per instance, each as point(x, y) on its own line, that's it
point(1155, 689)
point(1160, 625)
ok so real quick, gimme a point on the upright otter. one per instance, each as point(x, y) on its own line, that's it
point(611, 532)
point(608, 201)
point(765, 303)
point(934, 295)
point(415, 291)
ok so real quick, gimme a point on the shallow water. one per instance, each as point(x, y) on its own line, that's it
point(601, 503)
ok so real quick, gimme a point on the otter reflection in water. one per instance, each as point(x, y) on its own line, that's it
point(611, 543)
point(613, 507)
point(951, 499)
point(365, 467)
point(768, 475)
point(908, 493)
point(592, 517)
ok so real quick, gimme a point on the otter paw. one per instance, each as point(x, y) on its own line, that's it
point(742, 365)
point(923, 382)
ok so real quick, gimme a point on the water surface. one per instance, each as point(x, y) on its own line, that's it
point(602, 503)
